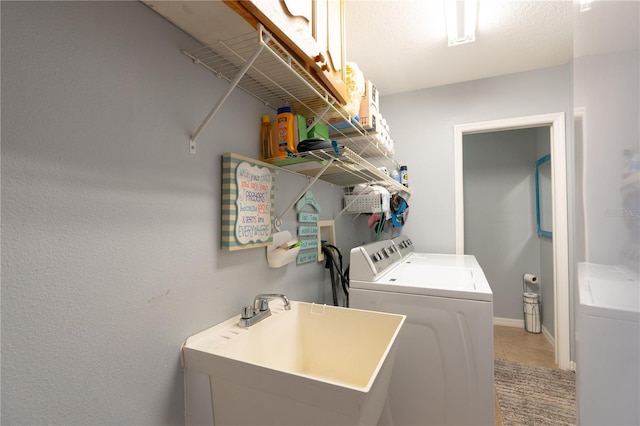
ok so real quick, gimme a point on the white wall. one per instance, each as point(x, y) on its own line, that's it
point(422, 124)
point(607, 89)
point(110, 228)
point(545, 274)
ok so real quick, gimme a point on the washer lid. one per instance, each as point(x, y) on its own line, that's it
point(438, 259)
point(429, 280)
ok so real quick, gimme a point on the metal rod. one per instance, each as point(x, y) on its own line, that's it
point(278, 221)
point(223, 98)
point(319, 117)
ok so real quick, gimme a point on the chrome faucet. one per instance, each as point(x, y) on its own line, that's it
point(260, 310)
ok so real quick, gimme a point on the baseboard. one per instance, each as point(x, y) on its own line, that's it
point(519, 323)
point(549, 337)
point(508, 322)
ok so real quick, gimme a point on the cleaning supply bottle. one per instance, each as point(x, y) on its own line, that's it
point(266, 138)
point(404, 176)
point(285, 127)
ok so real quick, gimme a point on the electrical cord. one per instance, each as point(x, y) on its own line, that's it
point(343, 275)
point(329, 263)
point(334, 286)
point(337, 275)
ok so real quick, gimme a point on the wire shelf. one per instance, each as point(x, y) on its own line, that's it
point(348, 169)
point(276, 78)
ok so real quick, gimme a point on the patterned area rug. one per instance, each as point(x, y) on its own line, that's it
point(531, 395)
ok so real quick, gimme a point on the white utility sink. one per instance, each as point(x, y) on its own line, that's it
point(311, 365)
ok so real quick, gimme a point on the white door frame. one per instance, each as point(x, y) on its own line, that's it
point(559, 207)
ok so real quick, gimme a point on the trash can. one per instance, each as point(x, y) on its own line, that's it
point(531, 308)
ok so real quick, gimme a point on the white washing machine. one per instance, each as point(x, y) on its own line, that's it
point(443, 373)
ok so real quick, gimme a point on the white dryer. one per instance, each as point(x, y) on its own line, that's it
point(443, 373)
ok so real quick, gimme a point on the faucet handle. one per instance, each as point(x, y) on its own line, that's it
point(263, 305)
point(247, 312)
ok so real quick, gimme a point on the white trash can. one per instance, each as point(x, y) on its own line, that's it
point(531, 308)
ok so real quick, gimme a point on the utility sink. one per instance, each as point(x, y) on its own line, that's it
point(311, 365)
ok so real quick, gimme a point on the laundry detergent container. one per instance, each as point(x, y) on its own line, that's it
point(310, 365)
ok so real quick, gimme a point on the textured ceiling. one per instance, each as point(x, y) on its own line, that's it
point(401, 45)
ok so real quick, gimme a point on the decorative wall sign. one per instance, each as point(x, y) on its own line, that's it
point(247, 202)
point(308, 244)
point(306, 257)
point(308, 198)
point(308, 217)
point(308, 233)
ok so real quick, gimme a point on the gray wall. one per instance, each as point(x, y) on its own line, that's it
point(500, 215)
point(422, 124)
point(110, 228)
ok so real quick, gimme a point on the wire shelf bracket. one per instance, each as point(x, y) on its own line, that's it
point(223, 98)
point(277, 223)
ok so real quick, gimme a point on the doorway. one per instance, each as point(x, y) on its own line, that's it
point(556, 123)
point(501, 221)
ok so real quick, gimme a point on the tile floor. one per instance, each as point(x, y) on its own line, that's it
point(518, 345)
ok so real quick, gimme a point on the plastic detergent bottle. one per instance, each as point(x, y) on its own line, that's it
point(284, 135)
point(266, 142)
point(404, 176)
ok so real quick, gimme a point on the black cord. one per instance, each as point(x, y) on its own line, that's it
point(345, 277)
point(329, 265)
point(334, 286)
point(336, 267)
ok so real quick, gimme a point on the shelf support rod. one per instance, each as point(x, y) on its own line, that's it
point(277, 222)
point(322, 114)
point(223, 98)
